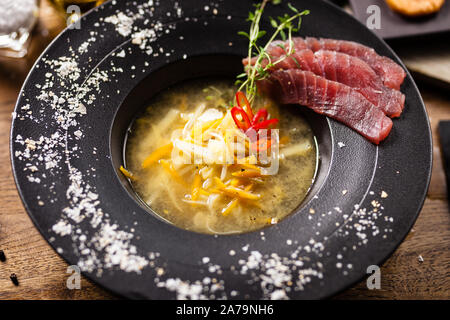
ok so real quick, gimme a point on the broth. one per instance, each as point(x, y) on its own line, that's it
point(172, 193)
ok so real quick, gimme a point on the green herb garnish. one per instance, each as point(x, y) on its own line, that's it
point(284, 26)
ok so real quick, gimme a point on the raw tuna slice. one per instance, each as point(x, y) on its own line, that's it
point(348, 70)
point(330, 98)
point(390, 72)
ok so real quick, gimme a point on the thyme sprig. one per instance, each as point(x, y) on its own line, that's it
point(284, 27)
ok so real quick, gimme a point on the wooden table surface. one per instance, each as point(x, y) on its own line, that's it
point(42, 273)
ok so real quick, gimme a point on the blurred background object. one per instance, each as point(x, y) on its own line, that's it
point(17, 19)
point(421, 42)
point(64, 7)
point(47, 27)
point(42, 20)
point(394, 25)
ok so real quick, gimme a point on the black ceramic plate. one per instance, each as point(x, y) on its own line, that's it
point(67, 140)
point(394, 25)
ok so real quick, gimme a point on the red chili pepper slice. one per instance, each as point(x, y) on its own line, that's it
point(250, 121)
point(260, 116)
point(264, 124)
point(242, 102)
point(243, 124)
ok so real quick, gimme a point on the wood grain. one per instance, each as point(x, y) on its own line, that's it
point(42, 273)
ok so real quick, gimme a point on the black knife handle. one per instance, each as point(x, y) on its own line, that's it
point(444, 137)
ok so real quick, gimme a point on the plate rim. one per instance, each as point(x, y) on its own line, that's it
point(95, 279)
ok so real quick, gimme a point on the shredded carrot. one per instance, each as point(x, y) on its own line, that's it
point(249, 166)
point(247, 174)
point(126, 173)
point(236, 192)
point(235, 182)
point(157, 155)
point(230, 206)
point(233, 203)
point(196, 186)
point(204, 192)
point(219, 182)
point(253, 203)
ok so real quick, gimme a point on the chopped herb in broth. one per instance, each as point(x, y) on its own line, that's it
point(212, 194)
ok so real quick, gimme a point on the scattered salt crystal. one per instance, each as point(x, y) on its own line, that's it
point(278, 295)
point(159, 271)
point(122, 23)
point(62, 228)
